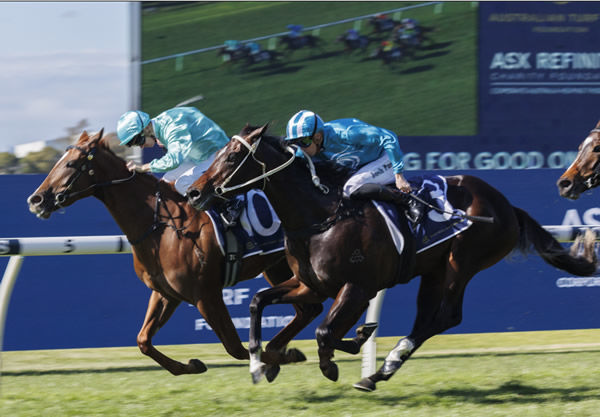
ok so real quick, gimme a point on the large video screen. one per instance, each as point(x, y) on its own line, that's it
point(465, 85)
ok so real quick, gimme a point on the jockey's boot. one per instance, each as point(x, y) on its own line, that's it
point(413, 209)
point(231, 210)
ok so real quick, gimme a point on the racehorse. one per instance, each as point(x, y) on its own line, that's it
point(360, 42)
point(341, 248)
point(175, 251)
point(264, 55)
point(388, 52)
point(381, 25)
point(584, 172)
point(298, 42)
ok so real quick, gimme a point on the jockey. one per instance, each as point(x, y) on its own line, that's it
point(232, 45)
point(295, 30)
point(253, 47)
point(373, 153)
point(352, 34)
point(190, 138)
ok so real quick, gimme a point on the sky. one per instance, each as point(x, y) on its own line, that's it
point(61, 62)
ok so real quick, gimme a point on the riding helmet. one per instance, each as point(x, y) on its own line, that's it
point(305, 123)
point(131, 124)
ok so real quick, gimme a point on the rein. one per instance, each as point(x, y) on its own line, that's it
point(65, 195)
point(221, 189)
point(158, 223)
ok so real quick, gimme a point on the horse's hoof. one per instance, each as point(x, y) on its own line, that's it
point(271, 372)
point(196, 367)
point(331, 372)
point(294, 355)
point(366, 330)
point(257, 375)
point(365, 384)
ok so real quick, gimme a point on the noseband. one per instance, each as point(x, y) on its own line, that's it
point(64, 195)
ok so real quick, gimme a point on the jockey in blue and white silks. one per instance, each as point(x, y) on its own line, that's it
point(190, 138)
point(373, 153)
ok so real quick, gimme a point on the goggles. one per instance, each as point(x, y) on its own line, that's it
point(138, 140)
point(303, 142)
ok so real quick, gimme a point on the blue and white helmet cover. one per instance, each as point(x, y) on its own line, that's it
point(303, 124)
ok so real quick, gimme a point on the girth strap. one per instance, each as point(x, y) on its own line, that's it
point(233, 259)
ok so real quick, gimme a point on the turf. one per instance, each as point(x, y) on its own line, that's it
point(433, 94)
point(502, 374)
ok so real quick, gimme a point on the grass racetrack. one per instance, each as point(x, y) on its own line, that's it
point(497, 374)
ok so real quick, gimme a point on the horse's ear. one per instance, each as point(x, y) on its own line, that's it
point(83, 137)
point(264, 128)
point(101, 133)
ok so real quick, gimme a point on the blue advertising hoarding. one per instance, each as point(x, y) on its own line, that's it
point(97, 300)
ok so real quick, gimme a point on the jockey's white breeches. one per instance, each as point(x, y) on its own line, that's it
point(185, 174)
point(378, 172)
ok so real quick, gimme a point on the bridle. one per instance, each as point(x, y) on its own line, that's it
point(593, 180)
point(64, 195)
point(222, 189)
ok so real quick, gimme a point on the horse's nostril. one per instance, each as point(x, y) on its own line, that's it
point(35, 199)
point(194, 193)
point(564, 183)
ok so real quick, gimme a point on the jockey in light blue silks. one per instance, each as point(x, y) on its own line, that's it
point(190, 138)
point(373, 154)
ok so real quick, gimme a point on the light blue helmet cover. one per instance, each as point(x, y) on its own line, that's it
point(303, 124)
point(130, 124)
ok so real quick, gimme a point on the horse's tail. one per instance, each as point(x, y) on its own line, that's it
point(533, 234)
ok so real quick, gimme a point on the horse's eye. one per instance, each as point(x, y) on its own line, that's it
point(596, 148)
point(231, 157)
point(70, 164)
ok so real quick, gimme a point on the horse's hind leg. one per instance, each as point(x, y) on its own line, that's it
point(160, 309)
point(347, 308)
point(439, 307)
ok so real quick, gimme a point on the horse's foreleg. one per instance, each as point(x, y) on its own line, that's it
point(347, 308)
point(291, 291)
point(159, 311)
point(213, 309)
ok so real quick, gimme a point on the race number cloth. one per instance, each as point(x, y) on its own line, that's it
point(258, 229)
point(435, 227)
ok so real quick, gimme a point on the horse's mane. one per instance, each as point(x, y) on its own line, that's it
point(328, 171)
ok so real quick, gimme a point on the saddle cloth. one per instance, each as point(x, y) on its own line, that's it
point(435, 227)
point(258, 229)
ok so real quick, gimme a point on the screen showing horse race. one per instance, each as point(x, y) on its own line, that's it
point(465, 85)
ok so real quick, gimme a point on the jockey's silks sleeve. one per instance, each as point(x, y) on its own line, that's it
point(187, 135)
point(354, 143)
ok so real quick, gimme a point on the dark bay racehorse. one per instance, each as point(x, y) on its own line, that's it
point(292, 43)
point(584, 172)
point(354, 43)
point(175, 251)
point(342, 249)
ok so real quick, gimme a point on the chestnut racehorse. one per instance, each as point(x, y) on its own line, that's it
point(584, 172)
point(342, 249)
point(175, 251)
